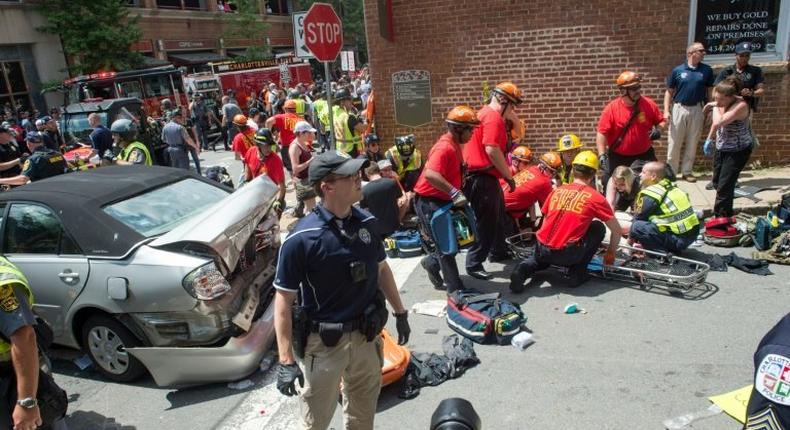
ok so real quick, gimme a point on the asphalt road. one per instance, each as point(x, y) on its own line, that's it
point(636, 358)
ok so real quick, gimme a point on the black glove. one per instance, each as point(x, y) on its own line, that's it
point(286, 378)
point(402, 325)
point(603, 163)
point(655, 133)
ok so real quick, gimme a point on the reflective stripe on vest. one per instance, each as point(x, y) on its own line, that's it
point(415, 161)
point(677, 214)
point(126, 152)
point(9, 274)
point(299, 107)
point(345, 140)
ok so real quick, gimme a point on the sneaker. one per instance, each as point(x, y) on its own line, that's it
point(434, 273)
point(518, 279)
point(690, 178)
point(710, 186)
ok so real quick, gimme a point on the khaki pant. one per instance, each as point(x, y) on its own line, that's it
point(357, 363)
point(685, 127)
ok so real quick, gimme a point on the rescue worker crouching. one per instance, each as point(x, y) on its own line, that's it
point(132, 151)
point(570, 236)
point(348, 127)
point(336, 265)
point(665, 220)
point(41, 164)
point(407, 161)
point(569, 147)
point(533, 185)
point(439, 185)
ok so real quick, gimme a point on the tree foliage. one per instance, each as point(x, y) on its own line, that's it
point(247, 23)
point(352, 14)
point(95, 34)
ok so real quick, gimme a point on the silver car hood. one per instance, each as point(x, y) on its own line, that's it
point(226, 226)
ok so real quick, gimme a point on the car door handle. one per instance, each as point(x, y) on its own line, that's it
point(69, 276)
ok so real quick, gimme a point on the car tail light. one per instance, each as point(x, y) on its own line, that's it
point(206, 282)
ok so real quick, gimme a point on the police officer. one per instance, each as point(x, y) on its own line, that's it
point(664, 220)
point(348, 127)
point(19, 365)
point(769, 404)
point(485, 157)
point(569, 236)
point(407, 161)
point(42, 163)
point(177, 138)
point(372, 148)
point(335, 265)
point(124, 135)
point(438, 185)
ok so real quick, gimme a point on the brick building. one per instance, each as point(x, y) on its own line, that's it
point(565, 56)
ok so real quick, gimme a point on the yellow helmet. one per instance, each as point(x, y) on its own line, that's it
point(586, 158)
point(568, 142)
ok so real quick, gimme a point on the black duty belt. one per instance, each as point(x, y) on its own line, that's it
point(348, 327)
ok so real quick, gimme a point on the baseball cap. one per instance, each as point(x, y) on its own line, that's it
point(175, 112)
point(385, 164)
point(336, 162)
point(303, 126)
point(46, 119)
point(743, 47)
point(40, 121)
point(35, 136)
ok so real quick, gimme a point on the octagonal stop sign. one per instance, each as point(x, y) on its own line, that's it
point(323, 32)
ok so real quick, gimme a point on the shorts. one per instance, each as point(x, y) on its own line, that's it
point(304, 190)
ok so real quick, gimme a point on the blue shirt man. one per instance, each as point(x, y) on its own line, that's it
point(101, 137)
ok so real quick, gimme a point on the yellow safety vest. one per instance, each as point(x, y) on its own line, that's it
point(9, 276)
point(126, 152)
point(677, 214)
point(415, 161)
point(321, 109)
point(345, 139)
point(566, 174)
point(300, 107)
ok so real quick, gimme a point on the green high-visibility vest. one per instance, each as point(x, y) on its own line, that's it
point(677, 215)
point(345, 139)
point(321, 109)
point(415, 161)
point(126, 152)
point(10, 276)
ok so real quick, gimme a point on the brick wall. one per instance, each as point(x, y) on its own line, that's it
point(563, 54)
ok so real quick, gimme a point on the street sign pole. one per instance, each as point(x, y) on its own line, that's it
point(328, 84)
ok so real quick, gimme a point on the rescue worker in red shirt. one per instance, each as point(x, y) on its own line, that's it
point(533, 185)
point(261, 160)
point(570, 236)
point(485, 158)
point(440, 184)
point(284, 123)
point(243, 141)
point(627, 127)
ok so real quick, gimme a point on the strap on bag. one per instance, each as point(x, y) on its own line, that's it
point(628, 124)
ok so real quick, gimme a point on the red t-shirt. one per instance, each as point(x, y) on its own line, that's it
point(243, 142)
point(285, 123)
point(568, 212)
point(491, 132)
point(532, 185)
point(445, 158)
point(272, 165)
point(637, 139)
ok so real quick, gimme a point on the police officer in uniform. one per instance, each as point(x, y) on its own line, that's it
point(348, 126)
point(334, 266)
point(19, 365)
point(769, 404)
point(124, 134)
point(42, 163)
point(570, 234)
point(665, 220)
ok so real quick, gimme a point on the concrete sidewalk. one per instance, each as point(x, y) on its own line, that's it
point(773, 182)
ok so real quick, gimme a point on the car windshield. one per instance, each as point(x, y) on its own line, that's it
point(161, 210)
point(77, 126)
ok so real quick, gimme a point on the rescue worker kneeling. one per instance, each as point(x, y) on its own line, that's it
point(533, 185)
point(569, 236)
point(664, 220)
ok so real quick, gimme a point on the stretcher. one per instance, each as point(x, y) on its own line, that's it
point(633, 265)
point(396, 359)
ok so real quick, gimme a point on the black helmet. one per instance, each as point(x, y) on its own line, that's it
point(264, 137)
point(405, 144)
point(124, 127)
point(371, 139)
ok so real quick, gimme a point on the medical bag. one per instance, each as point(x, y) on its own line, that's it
point(407, 243)
point(484, 318)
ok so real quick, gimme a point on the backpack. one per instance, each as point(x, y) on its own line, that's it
point(484, 318)
point(407, 243)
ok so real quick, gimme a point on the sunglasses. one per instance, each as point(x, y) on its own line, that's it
point(701, 51)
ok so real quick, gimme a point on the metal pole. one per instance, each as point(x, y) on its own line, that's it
point(328, 84)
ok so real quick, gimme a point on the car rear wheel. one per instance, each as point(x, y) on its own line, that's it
point(106, 340)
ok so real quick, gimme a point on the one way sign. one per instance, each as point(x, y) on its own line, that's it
point(299, 46)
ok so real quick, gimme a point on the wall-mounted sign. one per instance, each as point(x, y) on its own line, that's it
point(721, 24)
point(347, 63)
point(411, 90)
point(186, 45)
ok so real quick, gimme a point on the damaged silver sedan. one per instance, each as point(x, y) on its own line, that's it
point(150, 269)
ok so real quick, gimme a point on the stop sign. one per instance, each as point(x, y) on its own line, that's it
point(323, 32)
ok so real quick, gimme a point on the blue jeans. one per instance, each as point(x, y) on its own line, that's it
point(195, 159)
point(178, 157)
point(647, 234)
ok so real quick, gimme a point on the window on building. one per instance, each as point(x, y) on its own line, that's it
point(13, 86)
point(278, 7)
point(181, 4)
point(722, 24)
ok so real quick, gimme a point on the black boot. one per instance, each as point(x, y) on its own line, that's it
point(519, 278)
point(434, 273)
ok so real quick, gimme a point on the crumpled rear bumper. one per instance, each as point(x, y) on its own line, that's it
point(183, 366)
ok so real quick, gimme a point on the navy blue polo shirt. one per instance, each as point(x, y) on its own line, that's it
point(690, 84)
point(315, 261)
point(769, 403)
point(751, 76)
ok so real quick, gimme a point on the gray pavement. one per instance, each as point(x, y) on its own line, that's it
point(636, 358)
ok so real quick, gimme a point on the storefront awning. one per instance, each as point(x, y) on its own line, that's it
point(154, 62)
point(190, 58)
